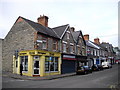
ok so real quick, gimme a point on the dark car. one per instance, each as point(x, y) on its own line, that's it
point(100, 67)
point(83, 70)
point(95, 67)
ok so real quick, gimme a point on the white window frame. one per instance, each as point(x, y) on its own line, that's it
point(64, 47)
point(54, 65)
point(23, 63)
point(56, 45)
point(71, 48)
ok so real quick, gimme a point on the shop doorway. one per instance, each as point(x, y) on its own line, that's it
point(36, 69)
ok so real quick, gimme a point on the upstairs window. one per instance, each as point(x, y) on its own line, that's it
point(71, 48)
point(55, 45)
point(79, 50)
point(44, 43)
point(64, 46)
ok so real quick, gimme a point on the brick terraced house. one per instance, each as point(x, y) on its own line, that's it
point(40, 49)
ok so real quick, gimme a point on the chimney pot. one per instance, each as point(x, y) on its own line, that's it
point(96, 40)
point(86, 36)
point(72, 29)
point(43, 20)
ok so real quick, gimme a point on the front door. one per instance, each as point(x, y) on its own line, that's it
point(36, 67)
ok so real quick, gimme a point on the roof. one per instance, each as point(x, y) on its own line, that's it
point(91, 44)
point(42, 29)
point(60, 30)
point(76, 35)
point(100, 46)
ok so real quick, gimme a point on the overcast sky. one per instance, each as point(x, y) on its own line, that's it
point(98, 18)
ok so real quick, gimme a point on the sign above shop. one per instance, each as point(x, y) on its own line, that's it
point(69, 57)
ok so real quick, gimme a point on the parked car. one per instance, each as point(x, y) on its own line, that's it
point(100, 67)
point(83, 70)
point(95, 67)
point(106, 65)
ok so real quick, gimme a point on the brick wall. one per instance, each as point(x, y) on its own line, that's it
point(20, 37)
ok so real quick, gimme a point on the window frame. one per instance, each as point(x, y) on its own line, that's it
point(55, 45)
point(64, 47)
point(23, 62)
point(44, 42)
point(54, 63)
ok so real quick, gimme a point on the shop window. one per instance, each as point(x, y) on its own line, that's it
point(55, 44)
point(24, 62)
point(51, 64)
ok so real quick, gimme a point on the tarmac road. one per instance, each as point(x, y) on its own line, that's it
point(107, 78)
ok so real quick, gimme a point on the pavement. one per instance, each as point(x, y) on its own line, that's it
point(23, 77)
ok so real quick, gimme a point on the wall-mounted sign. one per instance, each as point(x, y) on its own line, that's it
point(68, 57)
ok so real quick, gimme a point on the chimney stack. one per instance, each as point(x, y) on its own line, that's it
point(96, 40)
point(86, 37)
point(43, 20)
point(72, 29)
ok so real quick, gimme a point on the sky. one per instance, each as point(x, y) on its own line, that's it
point(98, 18)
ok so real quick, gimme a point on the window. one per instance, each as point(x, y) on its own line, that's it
point(24, 62)
point(64, 47)
point(78, 49)
point(71, 49)
point(44, 43)
point(51, 64)
point(55, 44)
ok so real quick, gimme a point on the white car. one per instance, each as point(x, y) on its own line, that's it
point(106, 65)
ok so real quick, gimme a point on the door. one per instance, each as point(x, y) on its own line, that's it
point(68, 66)
point(36, 67)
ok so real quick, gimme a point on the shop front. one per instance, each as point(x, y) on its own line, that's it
point(68, 63)
point(37, 63)
point(81, 60)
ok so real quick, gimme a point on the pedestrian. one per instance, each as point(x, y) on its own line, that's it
point(21, 69)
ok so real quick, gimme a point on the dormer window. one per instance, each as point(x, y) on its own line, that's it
point(55, 45)
point(44, 43)
point(78, 49)
point(64, 46)
point(71, 48)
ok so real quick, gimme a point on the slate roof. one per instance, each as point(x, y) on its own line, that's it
point(76, 35)
point(89, 44)
point(40, 28)
point(60, 29)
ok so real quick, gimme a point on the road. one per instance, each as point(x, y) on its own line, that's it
point(99, 79)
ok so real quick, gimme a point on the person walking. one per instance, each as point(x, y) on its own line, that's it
point(21, 69)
